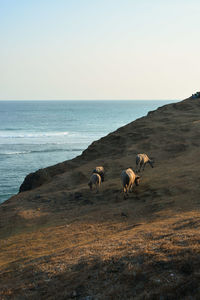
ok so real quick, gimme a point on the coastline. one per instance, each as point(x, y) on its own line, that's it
point(75, 241)
point(38, 135)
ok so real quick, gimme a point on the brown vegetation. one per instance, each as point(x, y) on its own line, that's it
point(58, 240)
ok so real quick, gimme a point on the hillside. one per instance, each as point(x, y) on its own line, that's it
point(61, 241)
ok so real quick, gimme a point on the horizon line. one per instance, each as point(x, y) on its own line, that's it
point(168, 99)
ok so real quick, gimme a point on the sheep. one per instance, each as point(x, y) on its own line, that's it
point(128, 178)
point(99, 170)
point(96, 180)
point(142, 160)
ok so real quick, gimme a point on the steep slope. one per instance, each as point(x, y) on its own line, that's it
point(61, 240)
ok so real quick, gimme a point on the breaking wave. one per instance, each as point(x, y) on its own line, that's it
point(33, 135)
point(40, 151)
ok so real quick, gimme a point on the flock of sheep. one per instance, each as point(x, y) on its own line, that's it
point(128, 176)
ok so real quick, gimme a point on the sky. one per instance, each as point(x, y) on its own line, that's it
point(99, 49)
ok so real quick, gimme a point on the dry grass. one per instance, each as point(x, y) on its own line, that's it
point(116, 256)
point(61, 241)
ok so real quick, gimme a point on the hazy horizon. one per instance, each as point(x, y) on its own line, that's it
point(1, 100)
point(102, 50)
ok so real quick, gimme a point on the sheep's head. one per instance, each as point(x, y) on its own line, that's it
point(151, 162)
point(137, 180)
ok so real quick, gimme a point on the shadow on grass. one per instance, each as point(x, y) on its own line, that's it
point(141, 276)
point(187, 224)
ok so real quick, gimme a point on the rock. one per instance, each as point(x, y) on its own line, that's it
point(34, 180)
point(124, 215)
point(77, 195)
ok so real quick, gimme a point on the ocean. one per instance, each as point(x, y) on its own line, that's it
point(37, 134)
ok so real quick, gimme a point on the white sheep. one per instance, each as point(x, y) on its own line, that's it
point(142, 160)
point(128, 178)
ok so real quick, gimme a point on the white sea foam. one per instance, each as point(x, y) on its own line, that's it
point(33, 135)
point(15, 152)
point(40, 151)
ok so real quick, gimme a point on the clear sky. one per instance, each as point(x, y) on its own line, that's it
point(99, 49)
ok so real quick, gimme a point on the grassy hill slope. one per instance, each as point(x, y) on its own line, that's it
point(61, 241)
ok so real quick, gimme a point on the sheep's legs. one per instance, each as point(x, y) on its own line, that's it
point(125, 192)
point(141, 164)
point(97, 187)
point(138, 168)
point(125, 196)
point(131, 188)
point(144, 166)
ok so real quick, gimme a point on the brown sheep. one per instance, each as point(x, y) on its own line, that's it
point(95, 179)
point(99, 170)
point(128, 178)
point(142, 160)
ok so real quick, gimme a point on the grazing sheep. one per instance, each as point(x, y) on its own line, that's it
point(100, 171)
point(96, 180)
point(128, 178)
point(142, 160)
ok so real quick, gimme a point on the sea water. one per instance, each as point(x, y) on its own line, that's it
point(37, 134)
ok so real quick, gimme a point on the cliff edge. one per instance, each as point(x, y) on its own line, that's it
point(61, 241)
